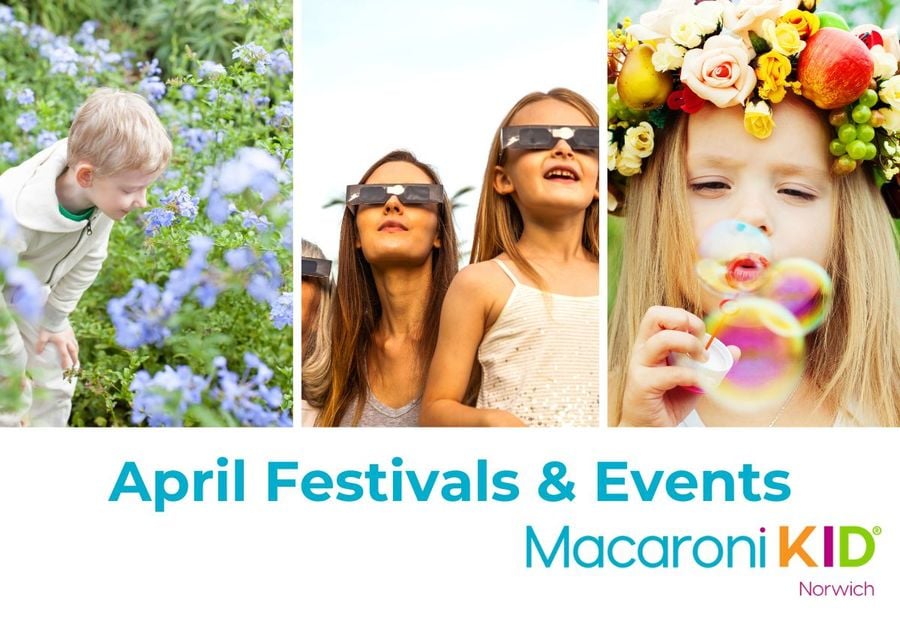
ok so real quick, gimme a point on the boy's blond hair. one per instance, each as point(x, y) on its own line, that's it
point(116, 131)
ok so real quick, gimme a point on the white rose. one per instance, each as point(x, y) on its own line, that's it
point(668, 56)
point(890, 92)
point(639, 140)
point(657, 24)
point(686, 32)
point(885, 62)
point(891, 122)
point(749, 15)
point(628, 163)
point(707, 16)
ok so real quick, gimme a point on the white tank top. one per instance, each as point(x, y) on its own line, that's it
point(540, 360)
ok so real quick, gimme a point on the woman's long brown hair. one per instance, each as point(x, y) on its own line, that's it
point(357, 307)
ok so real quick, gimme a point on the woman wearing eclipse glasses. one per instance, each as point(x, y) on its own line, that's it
point(528, 307)
point(398, 254)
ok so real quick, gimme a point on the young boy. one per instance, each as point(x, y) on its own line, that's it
point(65, 200)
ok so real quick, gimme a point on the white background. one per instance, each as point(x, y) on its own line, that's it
point(71, 558)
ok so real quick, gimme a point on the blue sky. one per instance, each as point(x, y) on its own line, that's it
point(431, 77)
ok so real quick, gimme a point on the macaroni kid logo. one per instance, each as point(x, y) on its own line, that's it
point(809, 546)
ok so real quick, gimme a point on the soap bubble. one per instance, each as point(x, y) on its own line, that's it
point(772, 352)
point(801, 286)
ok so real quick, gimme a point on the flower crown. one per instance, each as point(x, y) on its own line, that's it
point(750, 54)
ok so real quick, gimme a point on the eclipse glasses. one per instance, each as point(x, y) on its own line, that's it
point(378, 194)
point(535, 137)
point(315, 267)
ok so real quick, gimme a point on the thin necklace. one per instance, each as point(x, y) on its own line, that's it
point(784, 406)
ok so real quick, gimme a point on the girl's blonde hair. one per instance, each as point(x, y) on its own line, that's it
point(316, 357)
point(498, 225)
point(116, 131)
point(853, 359)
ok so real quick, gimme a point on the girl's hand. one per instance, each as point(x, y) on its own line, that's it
point(500, 418)
point(654, 394)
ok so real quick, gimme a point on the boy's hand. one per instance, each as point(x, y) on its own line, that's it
point(65, 343)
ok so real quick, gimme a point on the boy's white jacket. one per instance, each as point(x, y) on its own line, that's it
point(65, 255)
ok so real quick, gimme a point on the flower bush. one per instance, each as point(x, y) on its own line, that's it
point(201, 282)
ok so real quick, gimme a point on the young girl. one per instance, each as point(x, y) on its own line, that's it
point(528, 306)
point(317, 289)
point(398, 254)
point(714, 164)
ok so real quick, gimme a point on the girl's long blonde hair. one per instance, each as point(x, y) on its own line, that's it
point(316, 357)
point(853, 359)
point(498, 225)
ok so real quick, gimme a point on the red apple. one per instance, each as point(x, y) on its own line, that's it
point(834, 69)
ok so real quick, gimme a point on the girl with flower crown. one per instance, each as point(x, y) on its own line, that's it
point(739, 144)
point(528, 307)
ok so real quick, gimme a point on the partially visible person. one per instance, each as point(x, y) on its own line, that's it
point(317, 288)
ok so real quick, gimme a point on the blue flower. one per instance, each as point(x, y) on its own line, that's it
point(157, 219)
point(8, 153)
point(25, 293)
point(188, 92)
point(282, 313)
point(281, 62)
point(240, 258)
point(211, 69)
point(251, 168)
point(181, 202)
point(163, 399)
point(152, 87)
point(27, 121)
point(196, 139)
point(45, 139)
point(63, 59)
point(252, 220)
point(249, 398)
point(212, 95)
point(252, 54)
point(141, 316)
point(283, 115)
point(25, 97)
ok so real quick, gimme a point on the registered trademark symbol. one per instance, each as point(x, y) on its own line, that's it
point(876, 530)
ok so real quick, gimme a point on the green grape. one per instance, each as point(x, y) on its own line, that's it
point(861, 114)
point(847, 133)
point(869, 98)
point(856, 149)
point(865, 132)
point(871, 151)
point(837, 148)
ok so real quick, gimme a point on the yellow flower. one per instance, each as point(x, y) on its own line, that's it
point(805, 22)
point(773, 69)
point(758, 119)
point(783, 38)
